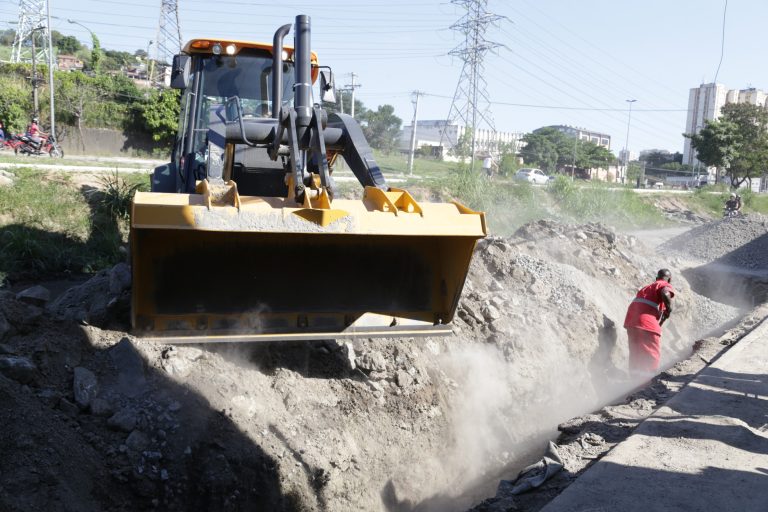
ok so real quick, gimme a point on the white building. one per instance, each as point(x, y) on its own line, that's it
point(441, 137)
point(705, 104)
point(598, 138)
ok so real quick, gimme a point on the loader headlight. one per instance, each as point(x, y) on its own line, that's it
point(230, 49)
point(216, 49)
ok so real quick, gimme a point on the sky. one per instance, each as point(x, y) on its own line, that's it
point(559, 61)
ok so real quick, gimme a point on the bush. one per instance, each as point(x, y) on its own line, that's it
point(118, 195)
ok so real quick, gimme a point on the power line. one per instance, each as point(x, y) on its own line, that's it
point(722, 43)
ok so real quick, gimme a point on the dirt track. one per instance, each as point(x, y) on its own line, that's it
point(97, 420)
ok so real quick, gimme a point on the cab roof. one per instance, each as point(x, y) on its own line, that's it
point(199, 46)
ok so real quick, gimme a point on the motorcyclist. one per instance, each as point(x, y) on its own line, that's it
point(34, 133)
point(733, 204)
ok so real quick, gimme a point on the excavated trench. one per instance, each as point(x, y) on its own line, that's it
point(390, 425)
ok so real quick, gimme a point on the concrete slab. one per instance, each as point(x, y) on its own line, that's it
point(705, 449)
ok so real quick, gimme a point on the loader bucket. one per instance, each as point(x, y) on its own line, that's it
point(265, 269)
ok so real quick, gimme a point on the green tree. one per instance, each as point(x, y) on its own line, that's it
point(736, 142)
point(7, 37)
point(463, 147)
point(160, 113)
point(540, 151)
point(345, 99)
point(74, 93)
point(15, 102)
point(96, 55)
point(508, 161)
point(591, 155)
point(382, 128)
point(68, 45)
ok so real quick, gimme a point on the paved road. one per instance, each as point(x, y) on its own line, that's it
point(127, 165)
point(706, 449)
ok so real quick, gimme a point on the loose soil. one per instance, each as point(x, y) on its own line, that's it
point(95, 419)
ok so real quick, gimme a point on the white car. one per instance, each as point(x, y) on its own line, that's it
point(535, 176)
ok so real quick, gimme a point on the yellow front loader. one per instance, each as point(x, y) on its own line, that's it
point(241, 238)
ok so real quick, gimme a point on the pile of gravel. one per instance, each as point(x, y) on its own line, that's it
point(742, 240)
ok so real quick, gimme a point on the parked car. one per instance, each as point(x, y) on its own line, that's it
point(535, 176)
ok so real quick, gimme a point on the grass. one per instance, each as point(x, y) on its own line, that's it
point(50, 226)
point(7, 156)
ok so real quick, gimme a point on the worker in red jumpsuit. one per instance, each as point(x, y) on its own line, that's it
point(646, 313)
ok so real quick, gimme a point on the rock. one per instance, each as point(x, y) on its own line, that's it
point(130, 366)
point(580, 235)
point(68, 408)
point(496, 286)
point(177, 366)
point(124, 419)
point(85, 386)
point(21, 315)
point(36, 295)
point(471, 311)
point(403, 379)
point(6, 349)
point(137, 441)
point(101, 407)
point(5, 181)
point(491, 313)
point(18, 368)
point(537, 288)
point(372, 361)
point(349, 352)
point(85, 303)
point(119, 278)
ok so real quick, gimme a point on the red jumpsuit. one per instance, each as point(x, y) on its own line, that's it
point(643, 329)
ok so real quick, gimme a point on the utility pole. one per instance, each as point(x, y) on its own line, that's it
point(36, 105)
point(573, 161)
point(50, 70)
point(413, 130)
point(626, 144)
point(341, 100)
point(352, 88)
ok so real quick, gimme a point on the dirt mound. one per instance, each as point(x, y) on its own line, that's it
point(677, 210)
point(114, 423)
point(720, 238)
point(731, 259)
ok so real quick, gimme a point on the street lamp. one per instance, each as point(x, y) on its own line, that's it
point(93, 36)
point(626, 144)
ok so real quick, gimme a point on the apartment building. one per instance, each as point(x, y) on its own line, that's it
point(442, 136)
point(705, 104)
point(599, 138)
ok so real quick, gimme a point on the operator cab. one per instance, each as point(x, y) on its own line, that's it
point(214, 77)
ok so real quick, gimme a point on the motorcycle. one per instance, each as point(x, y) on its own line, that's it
point(730, 213)
point(47, 146)
point(11, 143)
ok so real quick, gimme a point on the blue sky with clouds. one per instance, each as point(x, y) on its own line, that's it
point(561, 62)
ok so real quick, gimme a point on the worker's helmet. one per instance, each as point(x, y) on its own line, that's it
point(35, 120)
point(733, 194)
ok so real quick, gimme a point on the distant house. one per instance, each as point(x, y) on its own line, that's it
point(69, 63)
